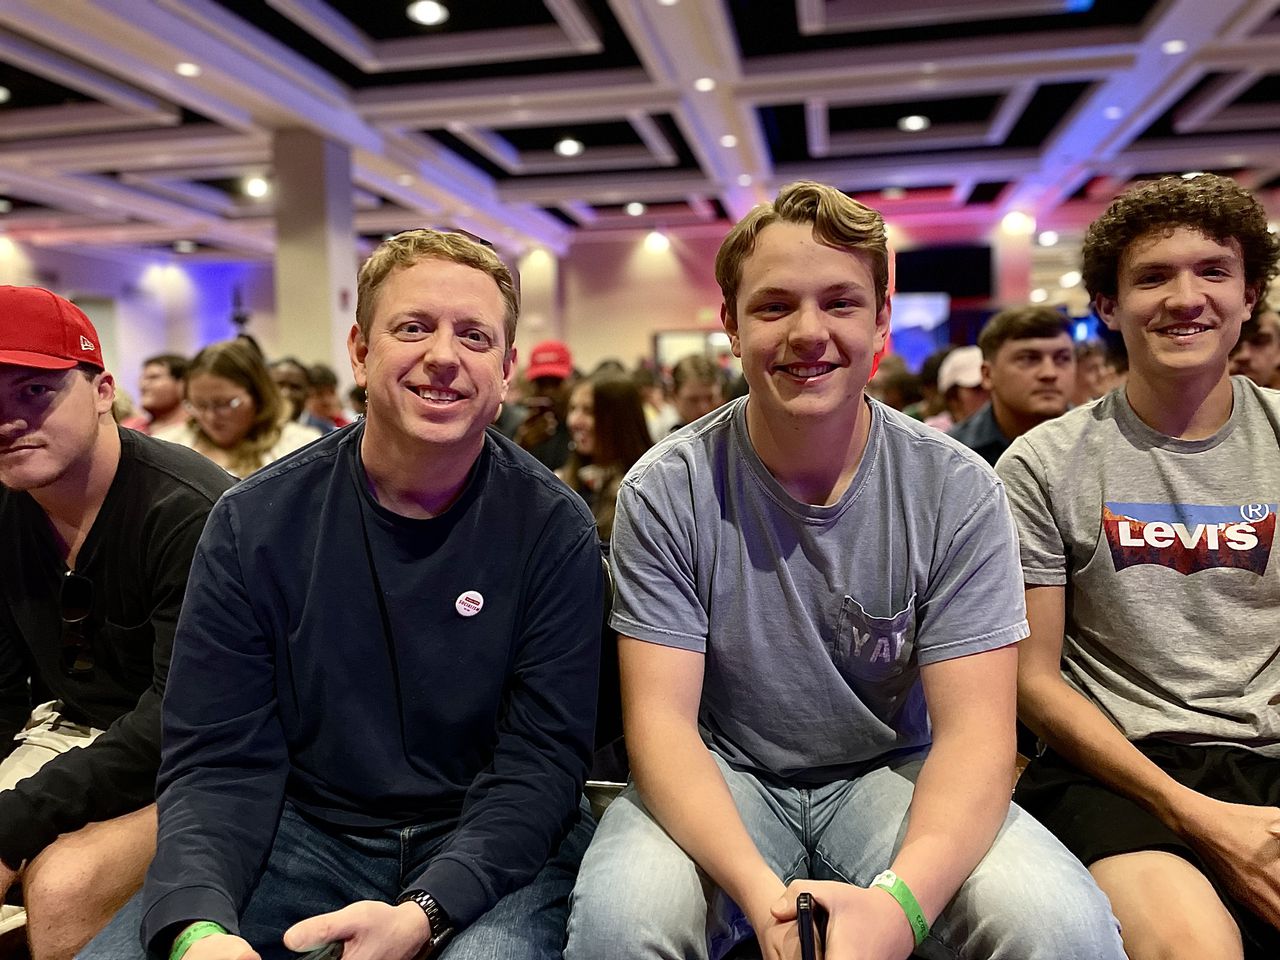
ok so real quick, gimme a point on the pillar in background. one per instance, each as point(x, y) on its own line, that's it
point(1012, 252)
point(315, 273)
point(540, 315)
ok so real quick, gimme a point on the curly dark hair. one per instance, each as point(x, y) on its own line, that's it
point(1215, 206)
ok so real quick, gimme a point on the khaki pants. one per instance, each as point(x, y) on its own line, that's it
point(46, 735)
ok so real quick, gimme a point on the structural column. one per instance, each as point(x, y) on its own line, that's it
point(315, 272)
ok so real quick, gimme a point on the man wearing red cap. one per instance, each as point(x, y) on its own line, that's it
point(544, 432)
point(97, 529)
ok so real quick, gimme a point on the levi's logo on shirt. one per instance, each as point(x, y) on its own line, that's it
point(1190, 537)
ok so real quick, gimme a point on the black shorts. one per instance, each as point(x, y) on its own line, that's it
point(1094, 822)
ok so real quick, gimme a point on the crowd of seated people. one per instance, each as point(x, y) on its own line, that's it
point(353, 701)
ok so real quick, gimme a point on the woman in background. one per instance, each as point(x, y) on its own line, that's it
point(607, 424)
point(237, 417)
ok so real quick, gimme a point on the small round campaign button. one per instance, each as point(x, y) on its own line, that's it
point(469, 603)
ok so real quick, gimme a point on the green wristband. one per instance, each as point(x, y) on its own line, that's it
point(197, 931)
point(897, 888)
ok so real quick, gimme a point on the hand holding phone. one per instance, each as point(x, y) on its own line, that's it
point(808, 933)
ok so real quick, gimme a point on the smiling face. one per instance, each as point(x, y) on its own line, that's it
point(435, 363)
point(1180, 300)
point(49, 423)
point(806, 325)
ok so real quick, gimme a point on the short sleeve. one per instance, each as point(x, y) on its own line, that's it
point(653, 562)
point(1043, 552)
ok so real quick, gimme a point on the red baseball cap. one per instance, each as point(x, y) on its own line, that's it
point(40, 329)
point(551, 358)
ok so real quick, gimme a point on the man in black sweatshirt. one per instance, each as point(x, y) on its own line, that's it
point(382, 697)
point(98, 526)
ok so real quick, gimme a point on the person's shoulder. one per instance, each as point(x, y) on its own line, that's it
point(914, 447)
point(175, 466)
point(1267, 399)
point(539, 490)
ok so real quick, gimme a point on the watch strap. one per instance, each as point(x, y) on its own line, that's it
point(437, 919)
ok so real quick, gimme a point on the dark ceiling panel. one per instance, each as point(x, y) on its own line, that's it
point(1162, 126)
point(615, 134)
point(386, 19)
point(29, 90)
point(1266, 90)
point(767, 28)
point(784, 132)
point(884, 116)
point(986, 192)
point(1046, 109)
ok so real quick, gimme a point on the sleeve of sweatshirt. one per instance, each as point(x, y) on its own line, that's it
point(224, 760)
point(116, 774)
point(522, 805)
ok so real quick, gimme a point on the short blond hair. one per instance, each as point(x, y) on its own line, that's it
point(837, 220)
point(413, 246)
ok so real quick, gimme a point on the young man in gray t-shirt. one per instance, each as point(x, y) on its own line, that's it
point(819, 604)
point(1147, 521)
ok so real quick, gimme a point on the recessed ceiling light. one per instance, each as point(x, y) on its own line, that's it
point(184, 246)
point(1048, 239)
point(1192, 174)
point(1069, 279)
point(668, 3)
point(656, 241)
point(568, 147)
point(257, 187)
point(1113, 113)
point(728, 141)
point(1017, 223)
point(744, 180)
point(704, 84)
point(187, 69)
point(913, 123)
point(928, 67)
point(100, 201)
point(635, 208)
point(427, 12)
point(1039, 295)
point(4, 94)
point(893, 193)
point(405, 179)
point(5, 205)
point(1173, 47)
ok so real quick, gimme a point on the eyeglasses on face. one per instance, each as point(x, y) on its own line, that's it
point(215, 406)
point(76, 601)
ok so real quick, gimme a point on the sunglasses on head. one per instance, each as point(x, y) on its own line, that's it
point(76, 600)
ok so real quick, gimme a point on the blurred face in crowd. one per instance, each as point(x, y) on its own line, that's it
point(1032, 378)
point(806, 324)
point(1258, 356)
point(49, 423)
point(160, 392)
point(581, 420)
point(1094, 378)
point(436, 363)
point(696, 399)
point(223, 408)
point(1179, 304)
point(292, 383)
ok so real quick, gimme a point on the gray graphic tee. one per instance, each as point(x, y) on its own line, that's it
point(815, 620)
point(1165, 549)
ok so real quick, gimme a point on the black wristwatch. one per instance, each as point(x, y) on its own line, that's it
point(441, 927)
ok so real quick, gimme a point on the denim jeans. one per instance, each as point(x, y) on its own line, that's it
point(313, 870)
point(638, 894)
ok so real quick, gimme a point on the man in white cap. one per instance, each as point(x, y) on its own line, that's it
point(960, 383)
point(98, 526)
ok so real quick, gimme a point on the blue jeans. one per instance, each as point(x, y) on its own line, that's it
point(638, 894)
point(312, 870)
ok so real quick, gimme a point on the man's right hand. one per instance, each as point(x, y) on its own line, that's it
point(221, 946)
point(1240, 843)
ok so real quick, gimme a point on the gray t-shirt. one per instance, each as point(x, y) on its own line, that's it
point(1173, 609)
point(815, 620)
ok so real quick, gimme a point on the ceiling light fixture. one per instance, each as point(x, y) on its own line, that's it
point(668, 3)
point(184, 246)
point(1018, 224)
point(635, 208)
point(1048, 238)
point(913, 123)
point(704, 84)
point(893, 193)
point(187, 69)
point(656, 241)
point(4, 94)
point(744, 180)
point(568, 147)
point(1069, 279)
point(1113, 113)
point(1173, 47)
point(405, 179)
point(728, 141)
point(1192, 174)
point(257, 187)
point(5, 205)
point(427, 12)
point(1039, 295)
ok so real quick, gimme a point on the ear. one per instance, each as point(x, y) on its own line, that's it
point(358, 348)
point(882, 324)
point(508, 370)
point(104, 386)
point(986, 376)
point(1251, 295)
point(730, 324)
point(1105, 307)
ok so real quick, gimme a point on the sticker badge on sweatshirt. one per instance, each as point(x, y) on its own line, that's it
point(469, 603)
point(1189, 537)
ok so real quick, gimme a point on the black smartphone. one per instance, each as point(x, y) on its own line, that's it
point(330, 951)
point(804, 919)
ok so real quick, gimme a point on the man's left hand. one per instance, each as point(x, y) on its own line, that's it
point(369, 929)
point(861, 924)
point(7, 877)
